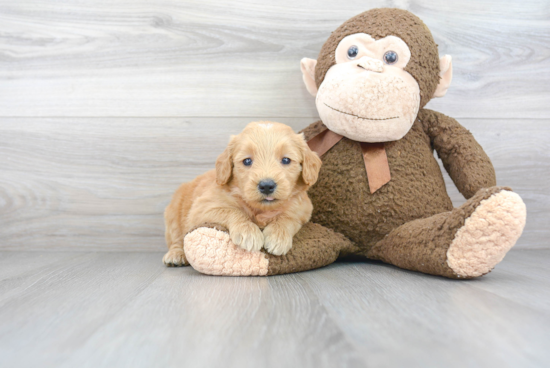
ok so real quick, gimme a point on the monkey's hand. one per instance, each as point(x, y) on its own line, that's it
point(247, 235)
point(278, 239)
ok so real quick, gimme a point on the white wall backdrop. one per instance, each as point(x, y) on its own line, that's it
point(107, 106)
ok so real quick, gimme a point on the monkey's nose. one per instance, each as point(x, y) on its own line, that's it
point(371, 64)
point(267, 186)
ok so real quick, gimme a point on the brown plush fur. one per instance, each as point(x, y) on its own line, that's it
point(379, 23)
point(419, 245)
point(410, 221)
point(314, 246)
point(230, 197)
point(342, 199)
point(343, 202)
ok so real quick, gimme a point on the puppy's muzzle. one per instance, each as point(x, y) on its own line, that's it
point(267, 186)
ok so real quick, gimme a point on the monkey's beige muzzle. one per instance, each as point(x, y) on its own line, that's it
point(371, 64)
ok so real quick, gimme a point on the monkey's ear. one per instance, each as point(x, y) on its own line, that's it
point(224, 164)
point(308, 72)
point(446, 75)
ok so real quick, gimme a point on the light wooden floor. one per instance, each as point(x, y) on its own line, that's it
point(99, 309)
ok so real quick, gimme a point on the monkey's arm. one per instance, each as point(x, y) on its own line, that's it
point(464, 159)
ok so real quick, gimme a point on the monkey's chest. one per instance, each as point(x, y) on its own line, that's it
point(342, 200)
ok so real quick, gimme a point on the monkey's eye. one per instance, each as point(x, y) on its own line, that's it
point(247, 162)
point(390, 57)
point(285, 161)
point(352, 52)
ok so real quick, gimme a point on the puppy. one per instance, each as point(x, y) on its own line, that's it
point(257, 191)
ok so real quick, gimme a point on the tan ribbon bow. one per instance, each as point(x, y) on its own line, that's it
point(374, 154)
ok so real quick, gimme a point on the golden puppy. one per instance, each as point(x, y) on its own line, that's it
point(257, 191)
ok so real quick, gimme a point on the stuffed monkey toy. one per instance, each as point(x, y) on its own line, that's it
point(380, 192)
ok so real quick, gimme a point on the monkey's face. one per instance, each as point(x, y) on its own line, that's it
point(367, 95)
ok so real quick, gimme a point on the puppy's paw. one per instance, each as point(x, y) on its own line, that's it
point(277, 240)
point(175, 258)
point(247, 236)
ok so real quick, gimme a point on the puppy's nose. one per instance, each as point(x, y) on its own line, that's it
point(267, 186)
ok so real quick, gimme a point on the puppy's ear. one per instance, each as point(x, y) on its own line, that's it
point(311, 163)
point(224, 164)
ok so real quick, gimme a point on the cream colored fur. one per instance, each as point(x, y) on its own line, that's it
point(229, 195)
point(487, 235)
point(368, 106)
point(212, 252)
point(446, 75)
point(366, 99)
point(308, 74)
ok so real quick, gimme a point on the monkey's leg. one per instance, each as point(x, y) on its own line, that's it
point(464, 243)
point(209, 250)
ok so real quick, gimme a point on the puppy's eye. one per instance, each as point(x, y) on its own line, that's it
point(352, 52)
point(390, 57)
point(285, 161)
point(247, 162)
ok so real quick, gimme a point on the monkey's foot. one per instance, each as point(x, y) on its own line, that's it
point(487, 235)
point(211, 251)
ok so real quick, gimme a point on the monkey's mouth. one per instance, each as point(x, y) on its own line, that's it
point(357, 116)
